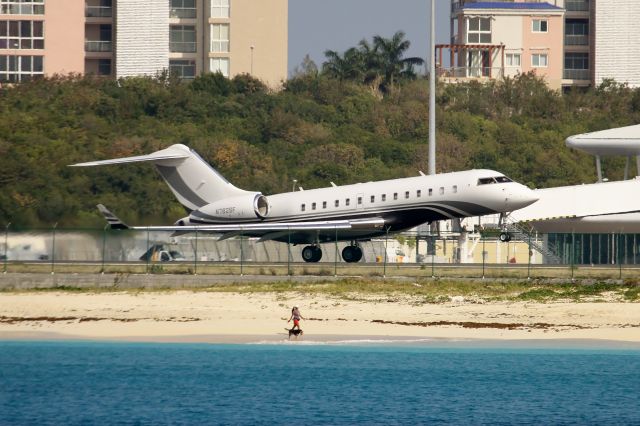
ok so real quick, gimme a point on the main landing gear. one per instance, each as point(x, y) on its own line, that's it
point(312, 253)
point(350, 254)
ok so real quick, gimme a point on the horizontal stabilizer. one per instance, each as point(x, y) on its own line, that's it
point(114, 221)
point(171, 153)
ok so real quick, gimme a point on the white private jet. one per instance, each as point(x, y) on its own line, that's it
point(352, 213)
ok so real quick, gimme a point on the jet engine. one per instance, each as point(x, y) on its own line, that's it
point(243, 207)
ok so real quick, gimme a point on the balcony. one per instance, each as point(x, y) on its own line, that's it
point(577, 5)
point(98, 46)
point(182, 46)
point(583, 74)
point(98, 12)
point(182, 13)
point(576, 40)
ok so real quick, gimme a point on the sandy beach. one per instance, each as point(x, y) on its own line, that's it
point(200, 316)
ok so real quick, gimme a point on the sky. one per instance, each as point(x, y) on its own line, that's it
point(319, 25)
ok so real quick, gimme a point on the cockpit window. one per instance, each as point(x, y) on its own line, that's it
point(486, 181)
point(497, 179)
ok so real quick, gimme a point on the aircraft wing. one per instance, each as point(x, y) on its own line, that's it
point(266, 230)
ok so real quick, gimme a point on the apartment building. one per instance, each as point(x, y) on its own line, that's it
point(592, 41)
point(123, 38)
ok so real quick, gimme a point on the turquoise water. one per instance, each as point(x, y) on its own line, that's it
point(116, 383)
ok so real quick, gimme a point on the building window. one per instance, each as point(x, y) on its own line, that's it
point(347, 201)
point(14, 69)
point(104, 66)
point(219, 38)
point(479, 30)
point(182, 38)
point(337, 203)
point(303, 207)
point(21, 35)
point(395, 195)
point(576, 32)
point(220, 65)
point(313, 206)
point(384, 197)
point(324, 204)
point(539, 60)
point(219, 8)
point(513, 59)
point(22, 7)
point(183, 9)
point(183, 69)
point(576, 66)
point(539, 25)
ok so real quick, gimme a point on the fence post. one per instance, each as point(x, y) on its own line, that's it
point(148, 254)
point(335, 258)
point(619, 257)
point(195, 255)
point(529, 257)
point(484, 253)
point(53, 249)
point(104, 245)
point(384, 265)
point(289, 251)
point(434, 249)
point(573, 247)
point(6, 246)
point(241, 255)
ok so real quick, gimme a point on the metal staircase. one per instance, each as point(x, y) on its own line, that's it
point(524, 232)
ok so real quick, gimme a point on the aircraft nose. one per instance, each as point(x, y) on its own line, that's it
point(520, 197)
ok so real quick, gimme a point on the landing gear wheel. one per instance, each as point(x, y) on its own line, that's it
point(505, 237)
point(311, 254)
point(352, 254)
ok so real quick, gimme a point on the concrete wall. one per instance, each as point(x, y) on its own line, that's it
point(64, 37)
point(617, 43)
point(142, 37)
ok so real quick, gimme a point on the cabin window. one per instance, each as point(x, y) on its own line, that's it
point(303, 207)
point(430, 192)
point(486, 181)
point(395, 195)
point(359, 200)
point(418, 193)
point(347, 201)
point(313, 206)
point(384, 197)
point(503, 179)
point(337, 203)
point(373, 198)
point(455, 188)
point(406, 194)
point(441, 190)
point(324, 204)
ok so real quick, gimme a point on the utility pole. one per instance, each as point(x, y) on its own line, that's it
point(432, 93)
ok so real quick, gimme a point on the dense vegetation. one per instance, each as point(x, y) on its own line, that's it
point(319, 128)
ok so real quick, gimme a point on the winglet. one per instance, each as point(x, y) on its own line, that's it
point(114, 221)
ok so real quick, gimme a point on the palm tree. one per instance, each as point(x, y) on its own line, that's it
point(349, 66)
point(393, 66)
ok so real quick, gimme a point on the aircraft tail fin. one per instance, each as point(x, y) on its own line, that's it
point(114, 221)
point(191, 179)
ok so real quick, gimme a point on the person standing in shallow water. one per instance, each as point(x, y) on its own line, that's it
point(296, 316)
